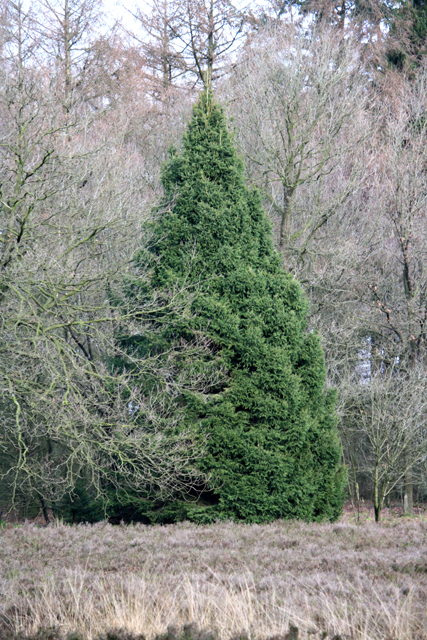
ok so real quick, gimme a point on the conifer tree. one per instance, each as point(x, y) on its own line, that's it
point(272, 445)
point(408, 31)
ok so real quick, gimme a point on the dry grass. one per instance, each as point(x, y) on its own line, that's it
point(367, 581)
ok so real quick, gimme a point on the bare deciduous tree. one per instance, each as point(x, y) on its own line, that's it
point(75, 401)
point(386, 432)
point(298, 105)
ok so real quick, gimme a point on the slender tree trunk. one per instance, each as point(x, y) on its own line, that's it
point(285, 224)
point(408, 507)
point(165, 49)
point(377, 498)
point(358, 502)
point(377, 511)
point(211, 46)
point(408, 499)
point(44, 509)
point(356, 487)
point(67, 56)
point(342, 15)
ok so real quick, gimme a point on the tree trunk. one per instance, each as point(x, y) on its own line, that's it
point(285, 224)
point(356, 487)
point(358, 502)
point(408, 500)
point(377, 499)
point(44, 509)
point(165, 49)
point(67, 56)
point(342, 15)
point(211, 46)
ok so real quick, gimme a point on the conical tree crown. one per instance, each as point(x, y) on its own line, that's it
point(212, 205)
point(273, 449)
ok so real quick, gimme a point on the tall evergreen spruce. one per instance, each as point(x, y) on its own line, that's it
point(272, 449)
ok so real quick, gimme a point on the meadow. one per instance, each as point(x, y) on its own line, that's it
point(366, 581)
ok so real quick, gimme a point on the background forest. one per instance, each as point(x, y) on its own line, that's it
point(328, 105)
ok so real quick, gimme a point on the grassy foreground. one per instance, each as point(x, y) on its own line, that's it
point(367, 581)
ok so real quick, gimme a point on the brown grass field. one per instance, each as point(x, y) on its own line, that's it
point(366, 581)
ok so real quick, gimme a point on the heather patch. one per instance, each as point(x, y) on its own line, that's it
point(362, 582)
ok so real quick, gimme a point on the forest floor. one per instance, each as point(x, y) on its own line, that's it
point(361, 581)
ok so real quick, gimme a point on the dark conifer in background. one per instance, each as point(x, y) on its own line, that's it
point(408, 33)
point(272, 449)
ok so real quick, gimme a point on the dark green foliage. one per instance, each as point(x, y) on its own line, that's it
point(273, 450)
point(408, 26)
point(82, 506)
